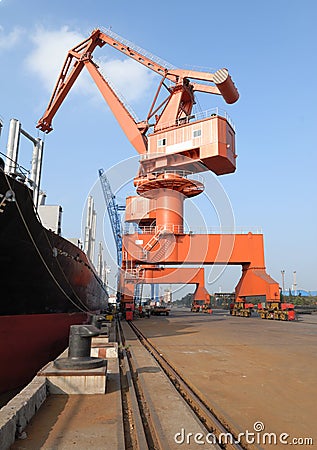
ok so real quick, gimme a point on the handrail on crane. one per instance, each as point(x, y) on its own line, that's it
point(109, 32)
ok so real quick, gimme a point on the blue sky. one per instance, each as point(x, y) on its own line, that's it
point(270, 49)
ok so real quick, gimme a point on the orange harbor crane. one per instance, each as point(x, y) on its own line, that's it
point(173, 151)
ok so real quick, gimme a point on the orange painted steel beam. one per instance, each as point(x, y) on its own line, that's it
point(172, 275)
point(201, 249)
point(179, 275)
point(246, 250)
point(168, 275)
point(72, 67)
point(118, 109)
point(221, 78)
point(256, 282)
point(223, 83)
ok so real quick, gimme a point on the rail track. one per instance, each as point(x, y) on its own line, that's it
point(202, 411)
point(139, 429)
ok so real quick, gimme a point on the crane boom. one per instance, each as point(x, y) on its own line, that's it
point(67, 78)
point(165, 69)
point(134, 131)
point(178, 104)
point(158, 66)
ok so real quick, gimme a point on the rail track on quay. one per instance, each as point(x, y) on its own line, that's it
point(138, 428)
point(139, 425)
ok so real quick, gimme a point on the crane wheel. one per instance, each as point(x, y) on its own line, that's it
point(283, 316)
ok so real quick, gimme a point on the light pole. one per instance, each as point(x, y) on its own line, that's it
point(294, 283)
point(283, 279)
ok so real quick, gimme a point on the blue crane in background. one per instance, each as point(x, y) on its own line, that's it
point(113, 211)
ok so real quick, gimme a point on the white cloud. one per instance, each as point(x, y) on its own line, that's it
point(130, 78)
point(7, 41)
point(49, 53)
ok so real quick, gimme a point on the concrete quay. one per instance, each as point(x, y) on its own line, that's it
point(65, 415)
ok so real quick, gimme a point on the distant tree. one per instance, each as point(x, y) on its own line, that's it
point(300, 300)
point(185, 301)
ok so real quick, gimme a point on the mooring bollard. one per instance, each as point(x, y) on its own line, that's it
point(79, 349)
point(97, 320)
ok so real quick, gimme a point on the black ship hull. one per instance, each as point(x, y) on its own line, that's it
point(44, 279)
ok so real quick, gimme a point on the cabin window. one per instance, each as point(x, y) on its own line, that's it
point(196, 133)
point(161, 142)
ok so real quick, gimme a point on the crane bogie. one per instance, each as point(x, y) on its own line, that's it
point(271, 310)
point(277, 311)
point(241, 309)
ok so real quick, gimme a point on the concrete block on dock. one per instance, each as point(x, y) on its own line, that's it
point(70, 382)
point(16, 414)
point(106, 350)
point(99, 340)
